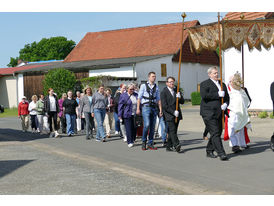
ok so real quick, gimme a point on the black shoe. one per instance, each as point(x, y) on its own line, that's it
point(87, 137)
point(168, 149)
point(211, 155)
point(144, 146)
point(223, 157)
point(236, 149)
point(178, 148)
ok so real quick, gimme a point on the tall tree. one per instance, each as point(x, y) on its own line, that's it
point(47, 49)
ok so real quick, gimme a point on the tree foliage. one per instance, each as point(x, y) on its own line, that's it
point(61, 80)
point(94, 82)
point(13, 62)
point(54, 48)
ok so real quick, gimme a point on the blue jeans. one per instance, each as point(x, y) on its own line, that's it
point(99, 115)
point(70, 120)
point(163, 126)
point(149, 118)
point(117, 122)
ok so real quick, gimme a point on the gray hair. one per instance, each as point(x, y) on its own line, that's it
point(131, 85)
point(211, 69)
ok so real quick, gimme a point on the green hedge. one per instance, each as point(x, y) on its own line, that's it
point(196, 98)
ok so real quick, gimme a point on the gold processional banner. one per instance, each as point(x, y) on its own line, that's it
point(234, 33)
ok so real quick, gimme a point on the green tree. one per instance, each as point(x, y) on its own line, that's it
point(61, 80)
point(13, 62)
point(47, 49)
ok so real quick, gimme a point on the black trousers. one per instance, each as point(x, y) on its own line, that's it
point(205, 132)
point(173, 140)
point(52, 116)
point(214, 126)
point(34, 121)
point(89, 123)
point(63, 124)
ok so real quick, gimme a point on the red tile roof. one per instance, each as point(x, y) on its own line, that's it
point(132, 42)
point(247, 15)
point(11, 70)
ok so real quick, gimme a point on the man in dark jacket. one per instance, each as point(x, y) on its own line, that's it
point(272, 94)
point(168, 100)
point(211, 111)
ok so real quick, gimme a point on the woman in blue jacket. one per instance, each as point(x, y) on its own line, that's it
point(126, 112)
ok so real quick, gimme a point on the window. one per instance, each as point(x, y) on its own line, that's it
point(163, 70)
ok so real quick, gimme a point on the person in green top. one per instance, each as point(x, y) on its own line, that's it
point(42, 118)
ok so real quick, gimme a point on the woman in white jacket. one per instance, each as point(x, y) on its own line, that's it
point(33, 114)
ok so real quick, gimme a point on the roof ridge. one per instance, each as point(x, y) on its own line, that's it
point(141, 27)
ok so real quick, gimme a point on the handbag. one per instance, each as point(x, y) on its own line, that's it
point(137, 121)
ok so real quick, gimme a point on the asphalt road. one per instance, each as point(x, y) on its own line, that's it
point(36, 164)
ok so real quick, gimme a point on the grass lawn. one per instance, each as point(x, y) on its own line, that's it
point(13, 112)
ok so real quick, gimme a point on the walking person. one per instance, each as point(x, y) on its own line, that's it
point(238, 121)
point(149, 99)
point(51, 110)
point(42, 118)
point(78, 114)
point(211, 111)
point(109, 113)
point(23, 114)
point(61, 113)
point(69, 109)
point(99, 104)
point(82, 116)
point(33, 114)
point(127, 112)
point(118, 125)
point(168, 100)
point(87, 109)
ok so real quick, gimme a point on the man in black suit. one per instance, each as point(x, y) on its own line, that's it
point(272, 94)
point(211, 112)
point(168, 99)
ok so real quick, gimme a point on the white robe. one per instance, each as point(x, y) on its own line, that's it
point(238, 117)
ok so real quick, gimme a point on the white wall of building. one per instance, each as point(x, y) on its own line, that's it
point(192, 74)
point(20, 87)
point(123, 71)
point(8, 91)
point(259, 73)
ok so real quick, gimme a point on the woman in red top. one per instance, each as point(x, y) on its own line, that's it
point(23, 113)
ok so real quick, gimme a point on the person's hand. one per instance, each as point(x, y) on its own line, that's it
point(224, 106)
point(19, 117)
point(178, 95)
point(176, 113)
point(138, 111)
point(160, 113)
point(121, 120)
point(248, 126)
point(221, 93)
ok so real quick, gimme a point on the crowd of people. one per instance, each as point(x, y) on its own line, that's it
point(139, 111)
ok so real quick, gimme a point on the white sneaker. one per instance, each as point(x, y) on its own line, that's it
point(125, 139)
point(38, 130)
point(130, 145)
point(56, 134)
point(116, 132)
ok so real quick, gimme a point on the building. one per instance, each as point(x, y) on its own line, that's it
point(258, 65)
point(127, 54)
point(134, 52)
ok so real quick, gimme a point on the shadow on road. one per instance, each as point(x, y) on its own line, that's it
point(254, 148)
point(8, 166)
point(18, 135)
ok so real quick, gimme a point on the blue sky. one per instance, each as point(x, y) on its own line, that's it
point(20, 28)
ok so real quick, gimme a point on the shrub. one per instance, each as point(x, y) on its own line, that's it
point(196, 98)
point(61, 80)
point(263, 115)
point(271, 115)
